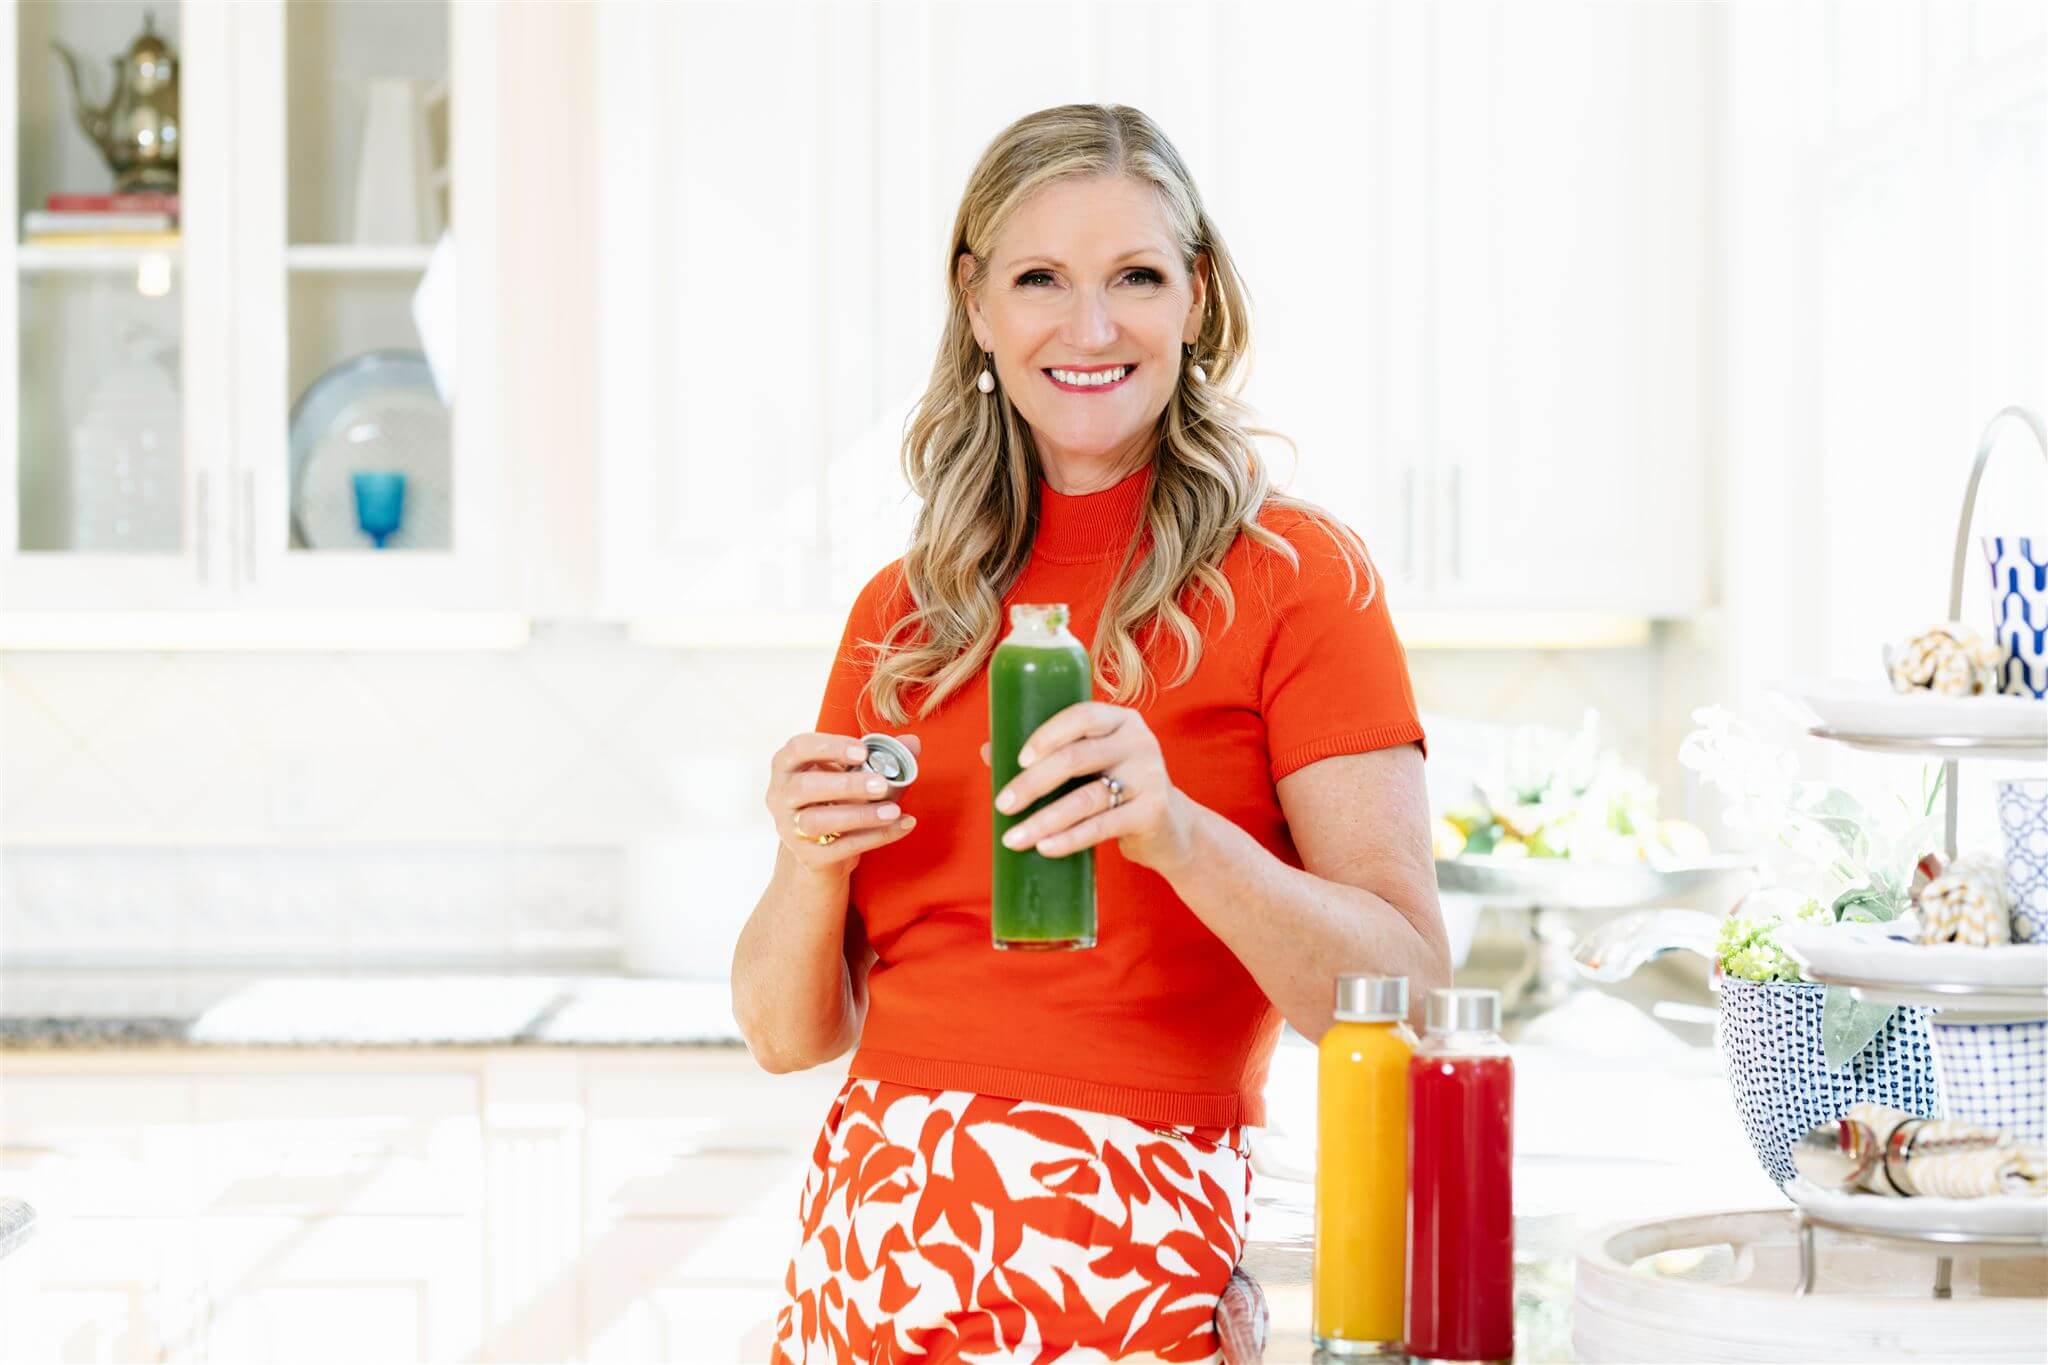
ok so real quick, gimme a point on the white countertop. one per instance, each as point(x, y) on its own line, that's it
point(49, 1008)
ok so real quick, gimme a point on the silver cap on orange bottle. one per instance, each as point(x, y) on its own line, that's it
point(1462, 1011)
point(1372, 999)
point(890, 758)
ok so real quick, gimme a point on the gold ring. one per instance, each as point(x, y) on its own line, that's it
point(1116, 790)
point(796, 822)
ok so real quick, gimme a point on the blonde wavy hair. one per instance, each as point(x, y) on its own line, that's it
point(970, 458)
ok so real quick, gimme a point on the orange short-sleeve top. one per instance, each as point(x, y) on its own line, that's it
point(1159, 1022)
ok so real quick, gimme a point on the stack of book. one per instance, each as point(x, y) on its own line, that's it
point(68, 219)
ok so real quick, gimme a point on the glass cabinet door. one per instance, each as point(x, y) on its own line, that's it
point(369, 441)
point(347, 449)
point(106, 510)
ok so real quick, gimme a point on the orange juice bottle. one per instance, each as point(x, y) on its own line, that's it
point(1361, 1248)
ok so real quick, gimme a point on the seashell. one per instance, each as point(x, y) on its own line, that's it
point(1967, 905)
point(1951, 660)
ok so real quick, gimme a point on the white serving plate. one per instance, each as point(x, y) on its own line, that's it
point(2004, 1216)
point(1873, 709)
point(1862, 953)
point(1565, 884)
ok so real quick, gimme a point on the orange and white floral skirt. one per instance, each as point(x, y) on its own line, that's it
point(942, 1225)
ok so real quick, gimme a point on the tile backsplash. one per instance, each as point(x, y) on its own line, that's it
point(492, 807)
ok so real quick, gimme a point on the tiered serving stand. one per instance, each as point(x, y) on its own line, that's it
point(1715, 1286)
point(1959, 1001)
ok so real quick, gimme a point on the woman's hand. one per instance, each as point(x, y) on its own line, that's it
point(1151, 824)
point(817, 786)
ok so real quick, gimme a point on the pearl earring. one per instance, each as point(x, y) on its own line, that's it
point(1195, 370)
point(987, 382)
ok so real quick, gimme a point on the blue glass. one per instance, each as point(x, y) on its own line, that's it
point(380, 503)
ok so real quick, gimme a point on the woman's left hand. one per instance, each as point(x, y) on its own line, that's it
point(1152, 823)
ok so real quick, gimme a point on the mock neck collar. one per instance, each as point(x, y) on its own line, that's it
point(1076, 528)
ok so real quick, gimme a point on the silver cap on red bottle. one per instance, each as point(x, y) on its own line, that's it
point(1372, 999)
point(1462, 1011)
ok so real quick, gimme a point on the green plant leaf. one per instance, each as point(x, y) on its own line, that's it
point(1847, 1024)
point(1847, 834)
point(1867, 904)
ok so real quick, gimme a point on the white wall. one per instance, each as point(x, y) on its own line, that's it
point(488, 807)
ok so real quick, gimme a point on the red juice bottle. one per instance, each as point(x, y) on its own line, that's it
point(1461, 1211)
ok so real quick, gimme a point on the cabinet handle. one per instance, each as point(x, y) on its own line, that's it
point(200, 536)
point(249, 524)
point(1457, 527)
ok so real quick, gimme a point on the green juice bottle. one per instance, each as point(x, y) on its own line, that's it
point(1039, 670)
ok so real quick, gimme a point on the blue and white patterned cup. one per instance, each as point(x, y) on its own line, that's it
point(2019, 612)
point(1770, 1039)
point(1995, 1075)
point(2023, 816)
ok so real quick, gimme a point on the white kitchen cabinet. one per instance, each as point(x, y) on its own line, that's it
point(1476, 236)
point(96, 1289)
point(395, 1205)
point(653, 1294)
point(693, 1196)
point(308, 1144)
point(341, 1289)
point(724, 1147)
point(263, 291)
point(106, 1160)
point(1553, 426)
point(68, 314)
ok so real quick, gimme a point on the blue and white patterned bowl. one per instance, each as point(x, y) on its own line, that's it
point(2023, 818)
point(1770, 1040)
point(1995, 1075)
point(2019, 612)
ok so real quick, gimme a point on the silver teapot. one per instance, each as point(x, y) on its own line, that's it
point(137, 129)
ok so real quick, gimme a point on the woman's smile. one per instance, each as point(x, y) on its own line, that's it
point(1089, 378)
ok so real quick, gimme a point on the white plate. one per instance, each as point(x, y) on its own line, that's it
point(1565, 883)
point(1872, 708)
point(377, 410)
point(2000, 1215)
point(1863, 953)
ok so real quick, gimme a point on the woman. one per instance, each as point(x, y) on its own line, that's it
point(1045, 1151)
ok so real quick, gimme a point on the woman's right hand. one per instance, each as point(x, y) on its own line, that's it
point(816, 785)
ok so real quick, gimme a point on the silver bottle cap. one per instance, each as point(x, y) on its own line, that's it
point(890, 759)
point(1462, 1011)
point(1372, 999)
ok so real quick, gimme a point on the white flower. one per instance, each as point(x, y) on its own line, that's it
point(1842, 843)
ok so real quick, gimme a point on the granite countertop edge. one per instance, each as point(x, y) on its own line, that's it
point(44, 1009)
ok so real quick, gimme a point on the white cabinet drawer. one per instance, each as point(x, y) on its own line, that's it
point(310, 1143)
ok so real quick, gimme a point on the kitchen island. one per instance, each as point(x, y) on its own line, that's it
point(588, 1165)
